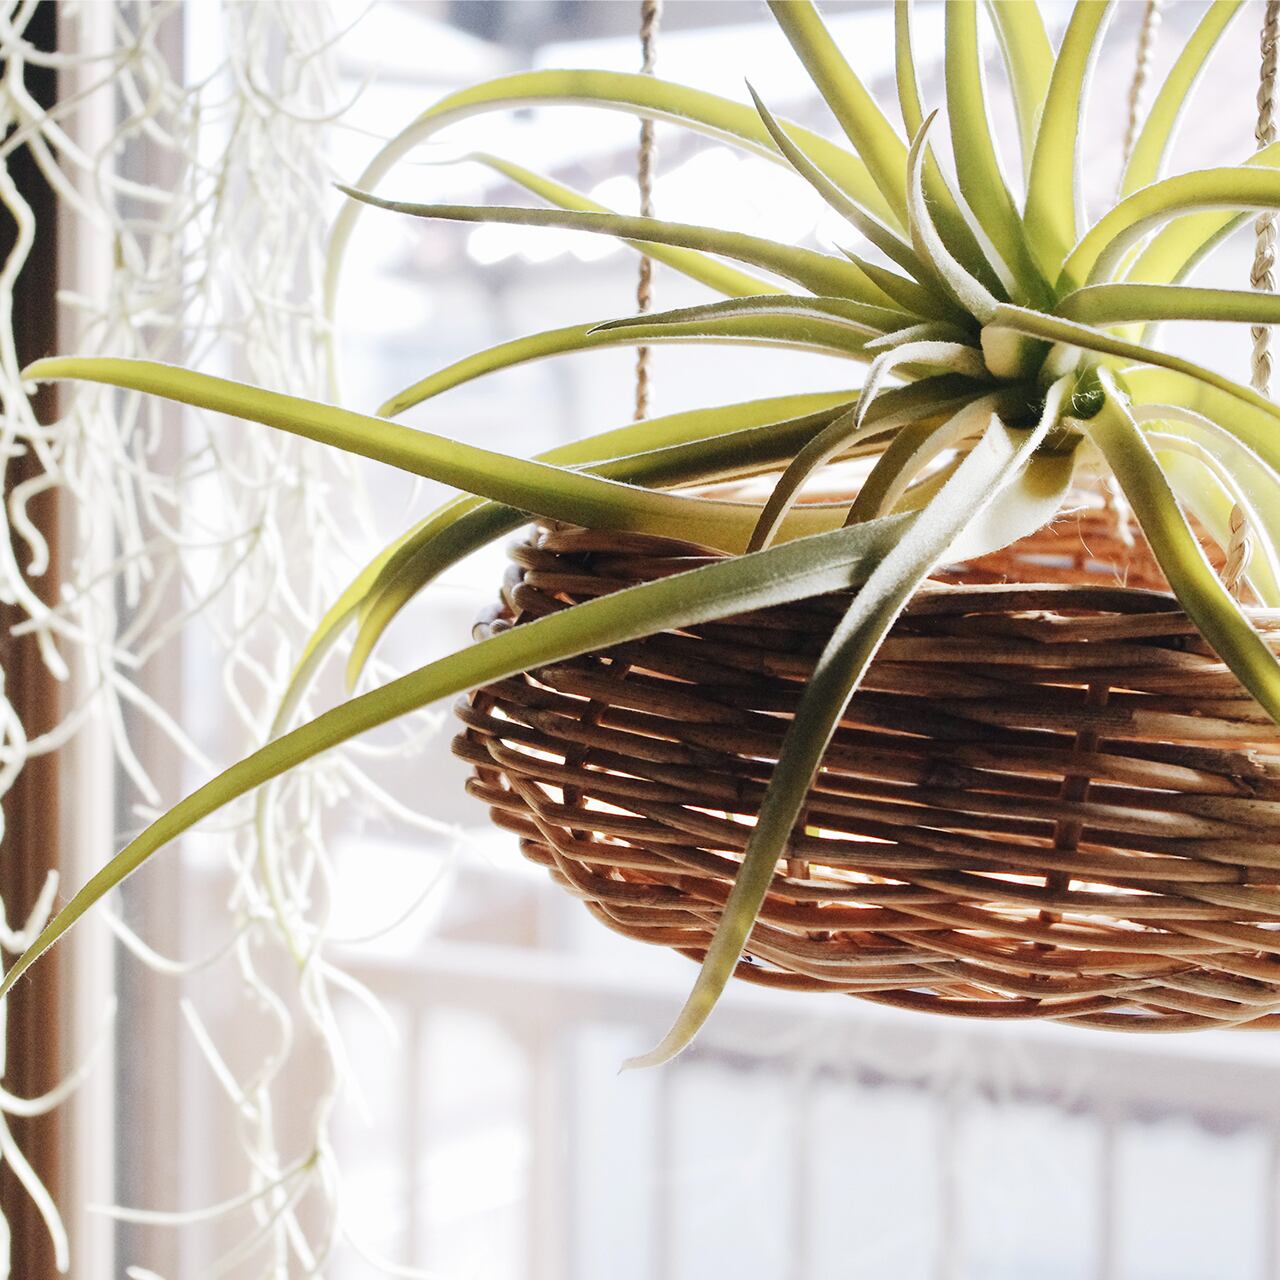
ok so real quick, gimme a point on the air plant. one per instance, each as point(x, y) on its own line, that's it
point(1008, 349)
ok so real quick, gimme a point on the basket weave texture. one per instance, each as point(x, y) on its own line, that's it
point(1048, 799)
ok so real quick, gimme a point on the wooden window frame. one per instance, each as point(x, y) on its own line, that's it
point(32, 805)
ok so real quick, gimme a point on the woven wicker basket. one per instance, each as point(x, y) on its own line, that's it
point(1049, 798)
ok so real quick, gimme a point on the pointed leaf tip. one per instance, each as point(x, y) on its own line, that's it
point(969, 292)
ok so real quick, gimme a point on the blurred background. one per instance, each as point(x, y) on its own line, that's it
point(486, 1133)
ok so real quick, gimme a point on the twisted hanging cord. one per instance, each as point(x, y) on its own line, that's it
point(1262, 276)
point(650, 13)
point(1141, 74)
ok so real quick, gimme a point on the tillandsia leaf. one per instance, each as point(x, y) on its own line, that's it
point(636, 94)
point(794, 571)
point(950, 357)
point(1208, 603)
point(1210, 492)
point(807, 412)
point(914, 298)
point(905, 74)
point(801, 328)
point(326, 634)
point(927, 331)
point(819, 272)
point(932, 181)
point(971, 294)
point(1241, 469)
point(443, 543)
point(1070, 333)
point(1203, 495)
point(1254, 428)
point(1258, 477)
point(855, 109)
point(1172, 252)
point(1107, 304)
point(643, 95)
point(836, 436)
point(913, 112)
point(1031, 500)
point(857, 317)
point(1054, 187)
point(839, 670)
point(535, 487)
point(1238, 188)
point(911, 451)
point(1175, 249)
point(888, 242)
point(1028, 59)
point(834, 440)
point(827, 335)
point(738, 326)
point(866, 126)
point(982, 182)
point(1152, 143)
point(697, 266)
point(505, 355)
point(425, 554)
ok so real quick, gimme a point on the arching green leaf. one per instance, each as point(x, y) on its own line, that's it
point(1199, 590)
point(420, 558)
point(834, 440)
point(950, 357)
point(1055, 185)
point(1106, 304)
point(890, 244)
point(916, 300)
point(873, 137)
point(535, 487)
point(794, 571)
point(808, 412)
point(806, 331)
point(637, 94)
point(1253, 425)
point(1072, 334)
point(1028, 60)
point(697, 266)
point(856, 317)
point(970, 293)
point(1210, 490)
point(1152, 143)
point(839, 670)
point(735, 455)
point(855, 109)
point(1237, 189)
point(907, 80)
point(982, 181)
point(910, 451)
point(818, 272)
point(1172, 252)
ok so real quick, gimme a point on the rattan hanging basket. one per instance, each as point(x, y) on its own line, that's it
point(1049, 799)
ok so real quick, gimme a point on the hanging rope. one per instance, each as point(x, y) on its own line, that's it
point(650, 13)
point(1141, 74)
point(1262, 276)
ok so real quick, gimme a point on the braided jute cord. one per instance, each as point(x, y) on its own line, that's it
point(1262, 276)
point(650, 14)
point(1141, 74)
